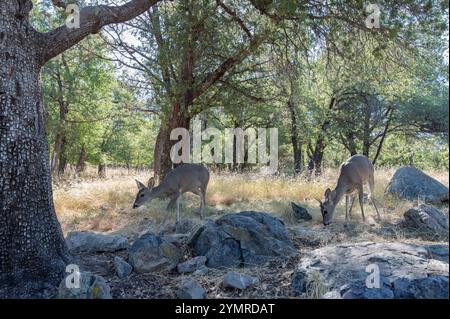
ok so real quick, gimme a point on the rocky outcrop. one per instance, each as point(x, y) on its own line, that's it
point(191, 290)
point(242, 239)
point(413, 184)
point(239, 281)
point(90, 242)
point(123, 269)
point(84, 286)
point(300, 213)
point(427, 218)
point(152, 253)
point(371, 270)
point(192, 265)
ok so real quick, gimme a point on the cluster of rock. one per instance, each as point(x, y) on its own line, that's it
point(234, 240)
point(243, 239)
point(371, 270)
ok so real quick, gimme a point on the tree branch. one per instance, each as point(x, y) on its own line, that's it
point(230, 63)
point(235, 17)
point(92, 19)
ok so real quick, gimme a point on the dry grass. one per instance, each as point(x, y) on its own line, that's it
point(89, 203)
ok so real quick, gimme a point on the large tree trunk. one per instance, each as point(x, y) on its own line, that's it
point(33, 252)
point(162, 161)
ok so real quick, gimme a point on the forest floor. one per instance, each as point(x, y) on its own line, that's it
point(105, 205)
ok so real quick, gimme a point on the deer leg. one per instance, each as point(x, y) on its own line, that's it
point(171, 204)
point(346, 207)
point(352, 197)
point(374, 205)
point(202, 203)
point(361, 200)
point(178, 208)
point(371, 187)
point(164, 220)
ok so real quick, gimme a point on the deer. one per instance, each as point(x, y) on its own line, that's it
point(353, 174)
point(184, 178)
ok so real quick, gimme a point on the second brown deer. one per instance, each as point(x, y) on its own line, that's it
point(353, 174)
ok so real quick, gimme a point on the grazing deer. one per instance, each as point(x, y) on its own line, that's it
point(184, 178)
point(353, 173)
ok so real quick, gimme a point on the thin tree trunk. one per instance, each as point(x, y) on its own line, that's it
point(351, 145)
point(62, 161)
point(101, 171)
point(81, 163)
point(294, 138)
point(315, 162)
point(367, 131)
point(383, 136)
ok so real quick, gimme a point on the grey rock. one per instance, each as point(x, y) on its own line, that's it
point(123, 269)
point(242, 239)
point(201, 271)
point(433, 287)
point(333, 294)
point(403, 267)
point(427, 218)
point(152, 253)
point(191, 290)
point(177, 239)
point(91, 242)
point(300, 213)
point(310, 236)
point(90, 287)
point(412, 184)
point(239, 281)
point(358, 290)
point(187, 225)
point(299, 282)
point(438, 251)
point(192, 265)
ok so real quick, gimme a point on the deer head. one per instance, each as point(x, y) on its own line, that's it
point(145, 192)
point(328, 207)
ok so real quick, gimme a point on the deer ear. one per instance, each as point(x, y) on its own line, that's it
point(327, 192)
point(151, 182)
point(139, 184)
point(333, 195)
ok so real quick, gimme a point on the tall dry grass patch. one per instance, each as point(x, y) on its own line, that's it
point(90, 203)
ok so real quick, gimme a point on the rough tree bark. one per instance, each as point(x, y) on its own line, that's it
point(33, 253)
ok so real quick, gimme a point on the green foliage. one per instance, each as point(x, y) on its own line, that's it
point(389, 85)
